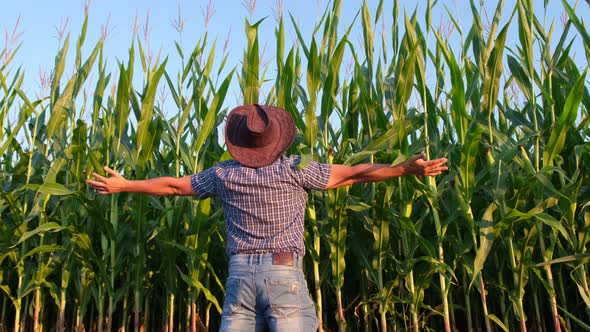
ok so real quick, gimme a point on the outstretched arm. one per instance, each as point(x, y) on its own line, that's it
point(346, 175)
point(162, 186)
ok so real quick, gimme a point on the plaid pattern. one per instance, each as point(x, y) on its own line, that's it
point(264, 207)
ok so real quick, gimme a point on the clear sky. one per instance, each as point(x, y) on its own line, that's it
point(40, 22)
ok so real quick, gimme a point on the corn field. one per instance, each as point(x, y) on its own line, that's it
point(497, 243)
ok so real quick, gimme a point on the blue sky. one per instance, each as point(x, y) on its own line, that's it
point(39, 23)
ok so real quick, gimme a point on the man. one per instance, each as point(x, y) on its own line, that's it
point(264, 194)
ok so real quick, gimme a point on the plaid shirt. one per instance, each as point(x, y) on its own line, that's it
point(264, 207)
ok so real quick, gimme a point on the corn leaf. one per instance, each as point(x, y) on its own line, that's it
point(565, 122)
point(486, 239)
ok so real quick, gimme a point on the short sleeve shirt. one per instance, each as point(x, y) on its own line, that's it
point(264, 207)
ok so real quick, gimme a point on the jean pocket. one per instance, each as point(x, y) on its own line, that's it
point(232, 302)
point(284, 296)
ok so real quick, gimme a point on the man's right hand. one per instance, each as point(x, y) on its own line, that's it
point(418, 166)
point(108, 185)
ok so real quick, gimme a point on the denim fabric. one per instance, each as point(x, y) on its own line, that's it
point(259, 294)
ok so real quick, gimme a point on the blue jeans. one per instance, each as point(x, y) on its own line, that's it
point(259, 294)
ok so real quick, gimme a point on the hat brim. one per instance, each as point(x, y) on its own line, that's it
point(256, 157)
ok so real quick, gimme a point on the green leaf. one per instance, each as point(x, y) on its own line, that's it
point(459, 111)
point(43, 228)
point(368, 36)
point(467, 164)
point(302, 40)
point(60, 63)
point(64, 103)
point(42, 249)
point(565, 122)
point(122, 107)
point(144, 137)
point(553, 223)
point(575, 319)
point(250, 81)
point(521, 76)
point(486, 239)
point(82, 241)
point(55, 189)
point(24, 115)
point(6, 290)
point(383, 142)
point(498, 322)
point(582, 258)
point(580, 26)
point(209, 122)
point(491, 85)
point(194, 282)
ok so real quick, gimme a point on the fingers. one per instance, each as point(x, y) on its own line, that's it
point(437, 162)
point(432, 167)
point(94, 184)
point(99, 177)
point(418, 157)
point(111, 171)
point(100, 187)
point(434, 172)
point(107, 170)
point(101, 183)
point(435, 167)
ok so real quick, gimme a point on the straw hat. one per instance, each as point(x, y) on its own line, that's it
point(257, 135)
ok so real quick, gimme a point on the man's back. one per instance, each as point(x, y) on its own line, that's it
point(264, 207)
